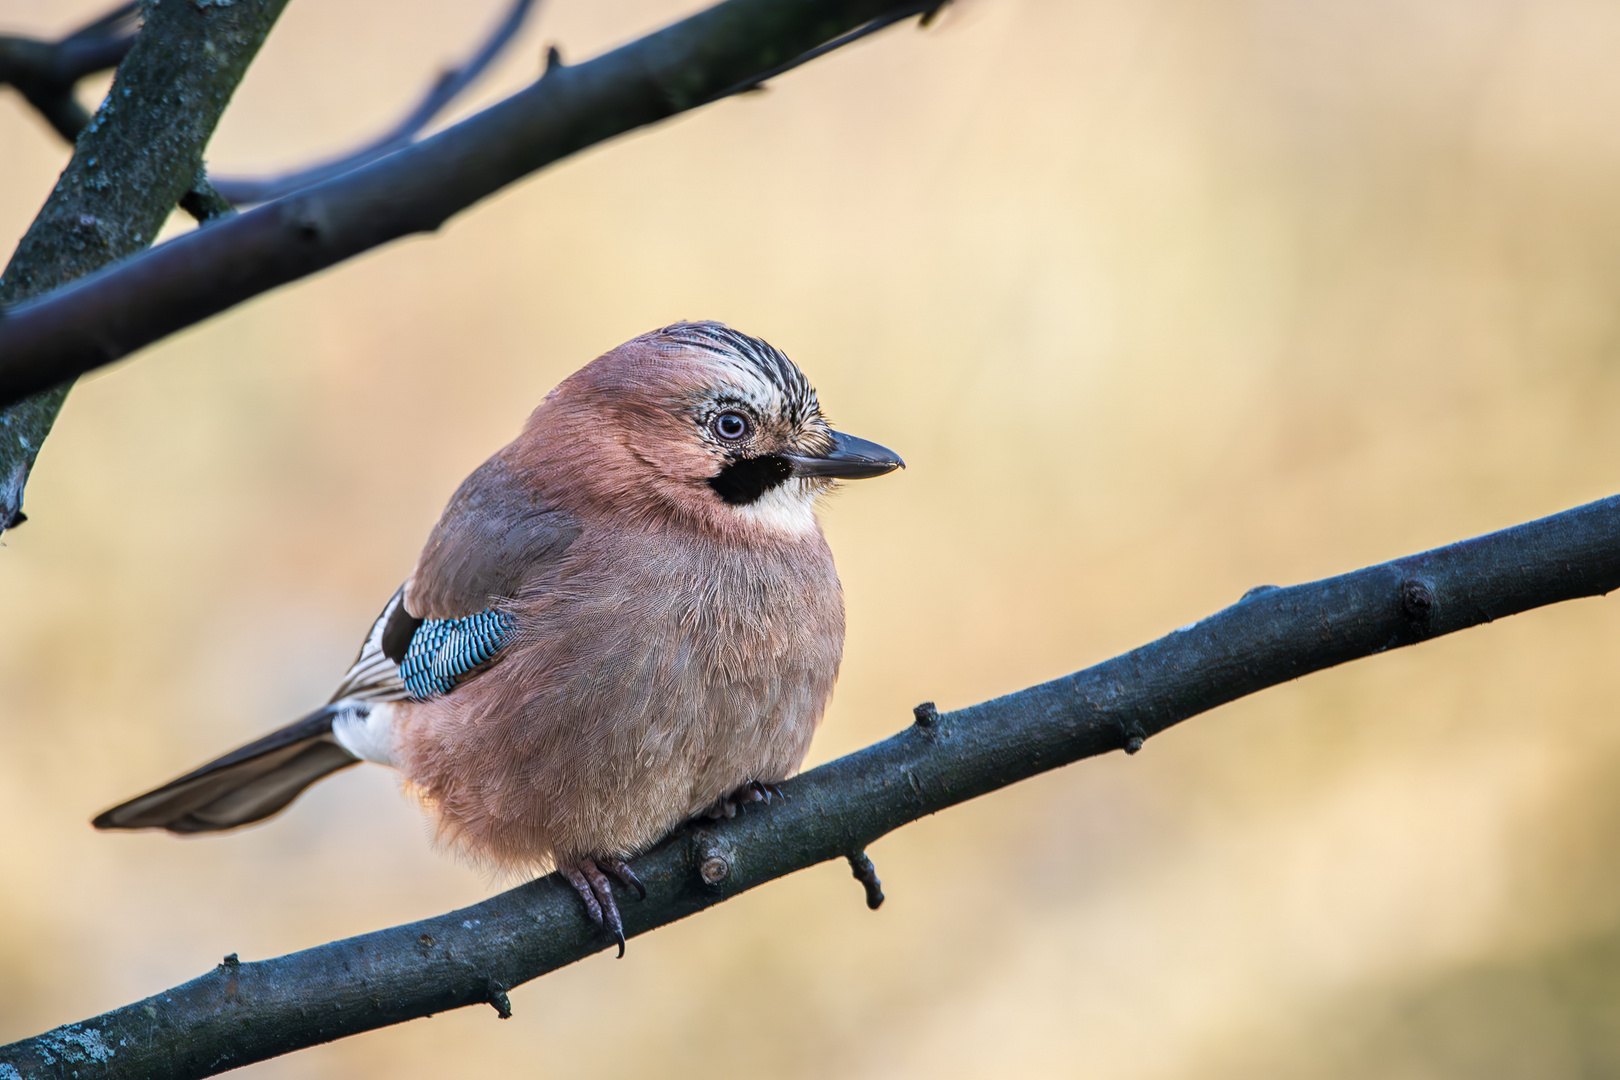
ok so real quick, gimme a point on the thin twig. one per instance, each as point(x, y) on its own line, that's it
point(246, 1012)
point(446, 88)
point(46, 72)
point(926, 8)
point(192, 277)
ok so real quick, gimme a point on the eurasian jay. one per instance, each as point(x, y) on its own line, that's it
point(627, 617)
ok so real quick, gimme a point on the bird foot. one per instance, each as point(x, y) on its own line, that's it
point(593, 886)
point(752, 792)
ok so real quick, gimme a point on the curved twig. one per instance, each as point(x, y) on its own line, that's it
point(111, 314)
point(246, 1012)
point(46, 72)
point(446, 88)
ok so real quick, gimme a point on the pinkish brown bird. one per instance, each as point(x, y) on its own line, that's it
point(626, 618)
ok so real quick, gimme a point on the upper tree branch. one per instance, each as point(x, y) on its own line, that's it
point(727, 48)
point(245, 1012)
point(47, 72)
point(129, 168)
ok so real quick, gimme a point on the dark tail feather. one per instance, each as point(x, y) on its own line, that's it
point(244, 786)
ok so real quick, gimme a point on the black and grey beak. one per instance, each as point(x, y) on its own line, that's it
point(849, 459)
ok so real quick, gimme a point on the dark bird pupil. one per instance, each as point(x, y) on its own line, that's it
point(730, 426)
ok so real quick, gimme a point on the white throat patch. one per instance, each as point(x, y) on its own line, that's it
point(789, 509)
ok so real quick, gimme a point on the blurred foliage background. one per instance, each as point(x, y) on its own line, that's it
point(1160, 301)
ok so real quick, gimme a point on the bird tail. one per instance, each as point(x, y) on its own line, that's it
point(249, 784)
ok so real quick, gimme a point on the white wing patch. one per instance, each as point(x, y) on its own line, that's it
point(372, 676)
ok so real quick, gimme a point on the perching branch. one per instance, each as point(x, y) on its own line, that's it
point(45, 73)
point(445, 89)
point(725, 49)
point(130, 167)
point(245, 1012)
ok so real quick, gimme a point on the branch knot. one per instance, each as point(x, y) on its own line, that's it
point(1418, 604)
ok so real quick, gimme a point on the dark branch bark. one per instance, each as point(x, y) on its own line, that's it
point(130, 167)
point(246, 1012)
point(45, 73)
point(727, 48)
point(445, 89)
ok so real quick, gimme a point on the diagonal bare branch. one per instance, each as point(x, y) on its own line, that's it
point(728, 47)
point(129, 168)
point(245, 1012)
point(445, 89)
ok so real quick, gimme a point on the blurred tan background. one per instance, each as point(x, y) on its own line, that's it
point(1160, 301)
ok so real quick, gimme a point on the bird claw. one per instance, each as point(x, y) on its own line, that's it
point(626, 876)
point(582, 885)
point(596, 891)
point(752, 792)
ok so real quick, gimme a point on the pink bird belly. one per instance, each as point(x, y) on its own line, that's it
point(646, 682)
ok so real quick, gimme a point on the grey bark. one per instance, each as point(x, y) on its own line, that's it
point(130, 167)
point(240, 1012)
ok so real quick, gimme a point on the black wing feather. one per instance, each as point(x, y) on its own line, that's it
point(246, 785)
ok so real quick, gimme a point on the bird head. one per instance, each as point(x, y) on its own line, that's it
point(713, 425)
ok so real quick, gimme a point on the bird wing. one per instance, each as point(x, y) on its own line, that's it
point(494, 536)
point(448, 622)
point(445, 624)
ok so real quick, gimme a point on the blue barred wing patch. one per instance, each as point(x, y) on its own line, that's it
point(443, 651)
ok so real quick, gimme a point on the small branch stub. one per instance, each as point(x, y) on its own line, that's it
point(925, 714)
point(1131, 734)
point(495, 994)
point(713, 859)
point(205, 204)
point(866, 874)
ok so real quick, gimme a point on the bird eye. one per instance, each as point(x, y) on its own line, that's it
point(730, 426)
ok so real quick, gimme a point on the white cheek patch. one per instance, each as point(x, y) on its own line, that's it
point(366, 730)
point(788, 509)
